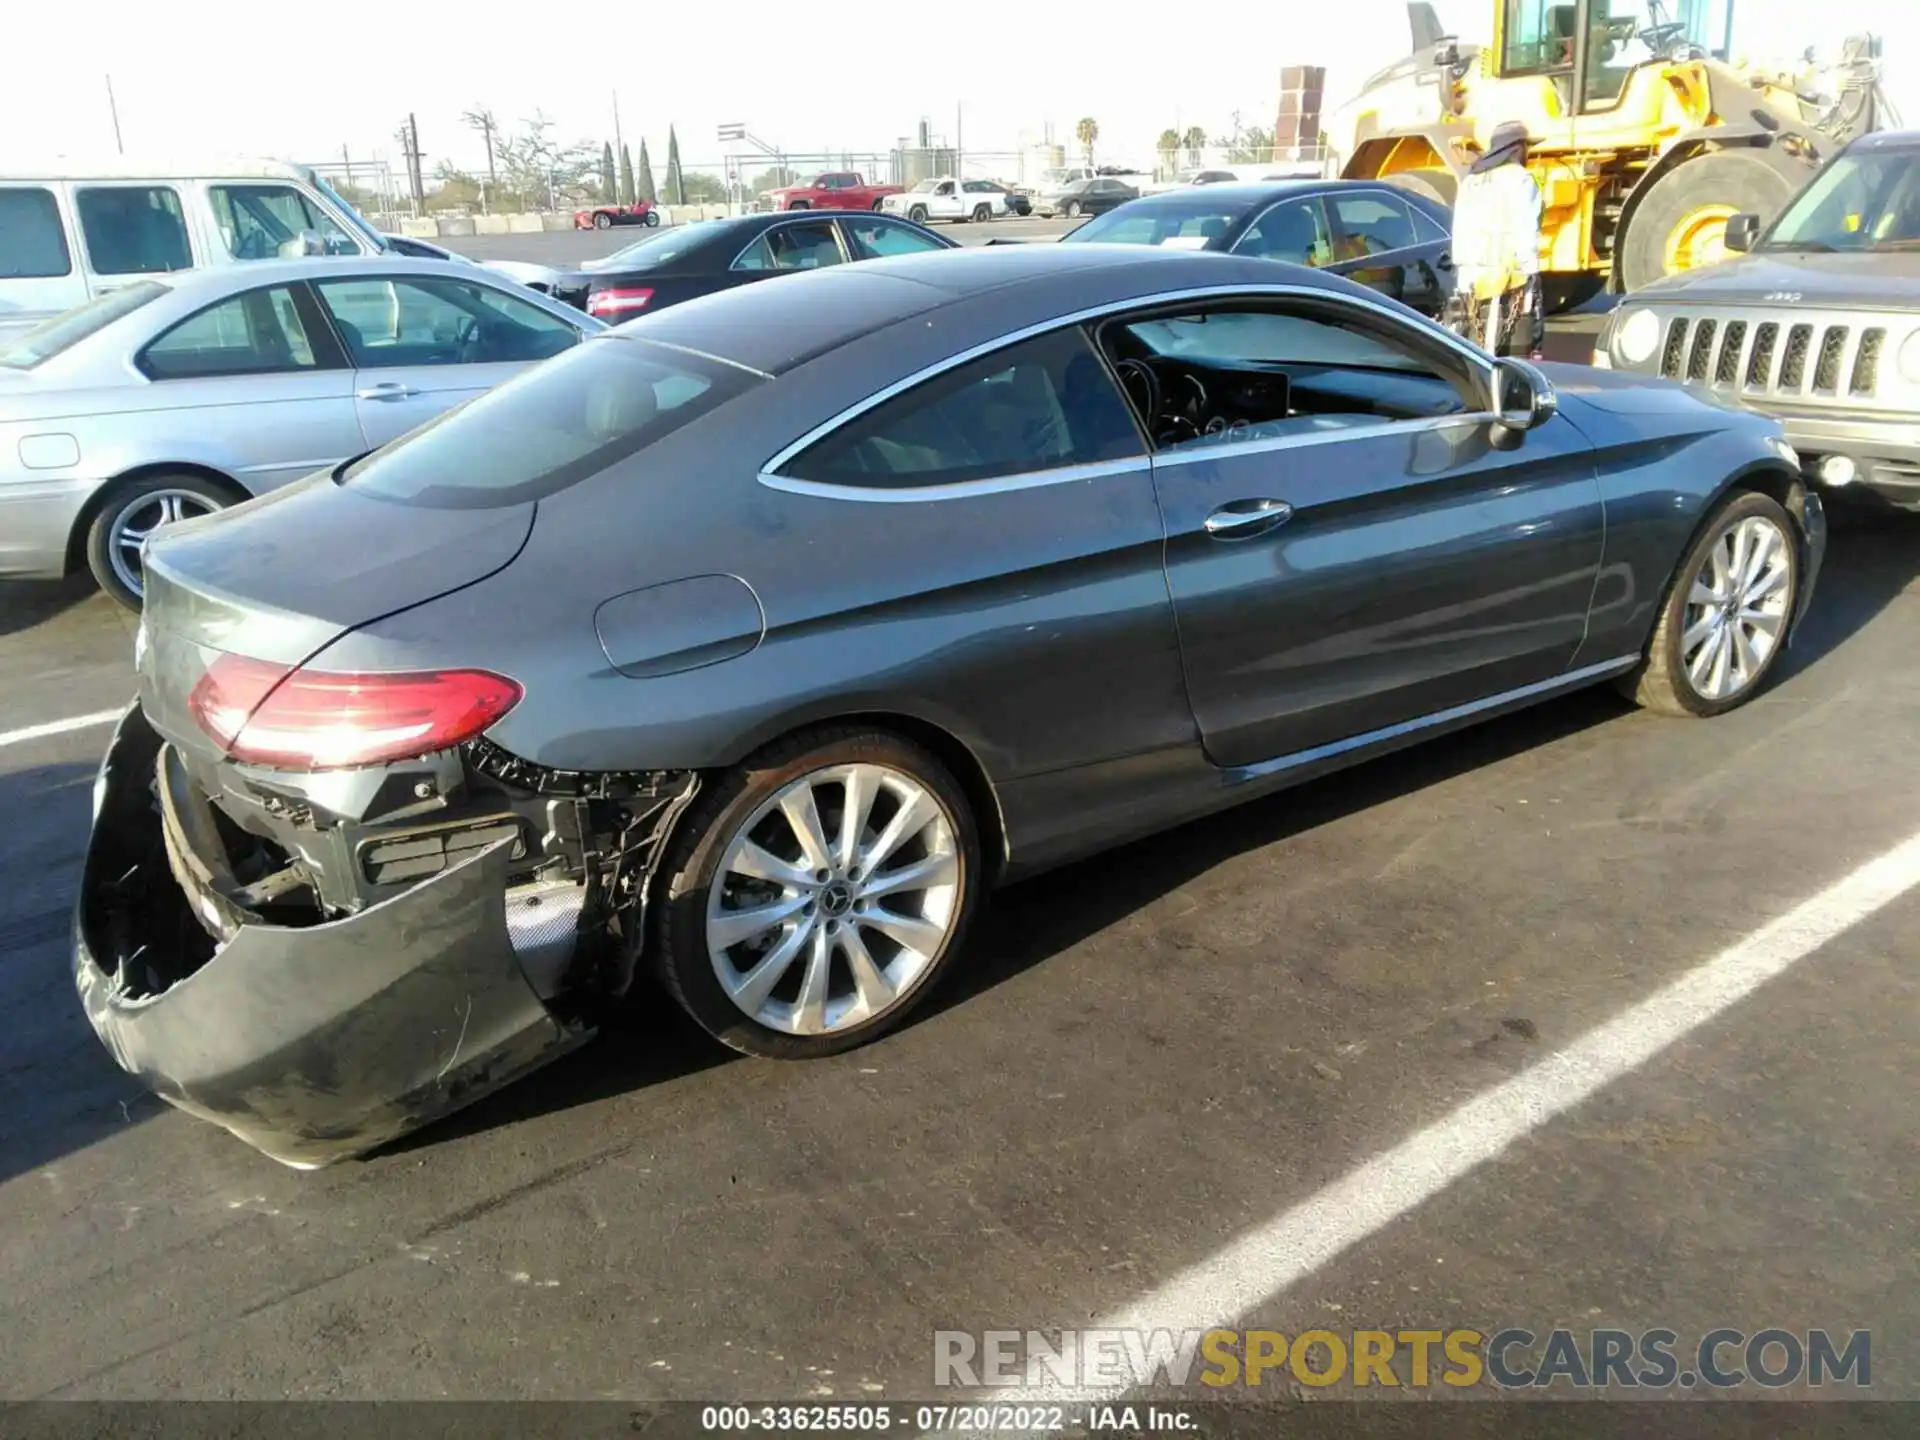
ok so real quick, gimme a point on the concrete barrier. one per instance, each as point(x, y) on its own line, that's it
point(552, 221)
point(456, 225)
point(489, 224)
point(524, 225)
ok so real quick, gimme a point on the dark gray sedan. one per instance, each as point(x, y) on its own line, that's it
point(750, 644)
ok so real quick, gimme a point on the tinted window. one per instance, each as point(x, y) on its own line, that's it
point(1186, 223)
point(1034, 406)
point(133, 230)
point(792, 247)
point(549, 426)
point(1293, 230)
point(256, 220)
point(1426, 229)
point(62, 332)
point(258, 333)
point(406, 321)
point(1264, 337)
point(1372, 224)
point(872, 239)
point(33, 242)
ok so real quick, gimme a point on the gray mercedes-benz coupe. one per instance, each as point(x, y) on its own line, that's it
point(751, 643)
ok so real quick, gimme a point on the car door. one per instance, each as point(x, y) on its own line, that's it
point(130, 231)
point(872, 237)
point(1374, 243)
point(254, 385)
point(1353, 544)
point(793, 245)
point(1295, 230)
point(421, 345)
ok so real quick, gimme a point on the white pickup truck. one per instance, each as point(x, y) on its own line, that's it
point(950, 199)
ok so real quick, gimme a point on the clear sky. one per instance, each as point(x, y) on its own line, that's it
point(301, 80)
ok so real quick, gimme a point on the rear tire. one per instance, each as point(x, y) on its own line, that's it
point(981, 214)
point(880, 204)
point(120, 519)
point(1073, 210)
point(800, 205)
point(1681, 222)
point(652, 220)
point(737, 837)
point(1689, 626)
point(602, 221)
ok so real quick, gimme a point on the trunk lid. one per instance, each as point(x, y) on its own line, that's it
point(281, 577)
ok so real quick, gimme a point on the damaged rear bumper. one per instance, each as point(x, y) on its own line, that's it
point(311, 1043)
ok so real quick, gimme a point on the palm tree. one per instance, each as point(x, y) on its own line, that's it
point(1087, 131)
point(1195, 140)
point(1169, 148)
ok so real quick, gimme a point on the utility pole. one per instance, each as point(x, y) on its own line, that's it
point(114, 110)
point(409, 138)
point(959, 150)
point(616, 124)
point(346, 162)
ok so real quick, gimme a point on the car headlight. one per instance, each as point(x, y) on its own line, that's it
point(1910, 359)
point(1637, 337)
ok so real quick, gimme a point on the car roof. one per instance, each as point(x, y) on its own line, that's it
point(774, 326)
point(226, 279)
point(184, 166)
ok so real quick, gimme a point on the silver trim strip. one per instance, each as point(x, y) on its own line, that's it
point(958, 490)
point(1537, 690)
point(1479, 362)
point(800, 217)
point(1233, 449)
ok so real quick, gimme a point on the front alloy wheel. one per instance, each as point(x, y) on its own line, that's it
point(1727, 616)
point(816, 893)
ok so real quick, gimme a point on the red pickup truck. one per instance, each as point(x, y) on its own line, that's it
point(832, 190)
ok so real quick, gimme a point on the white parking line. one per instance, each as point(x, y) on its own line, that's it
point(1267, 1260)
point(58, 727)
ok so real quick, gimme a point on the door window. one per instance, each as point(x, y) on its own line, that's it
point(258, 333)
point(33, 242)
point(133, 229)
point(809, 246)
point(1264, 372)
point(1537, 36)
point(1614, 48)
point(872, 239)
point(1294, 230)
point(1371, 224)
point(256, 220)
point(405, 320)
point(1038, 405)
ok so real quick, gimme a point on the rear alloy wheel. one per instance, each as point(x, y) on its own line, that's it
point(981, 214)
point(134, 513)
point(815, 894)
point(1073, 210)
point(603, 221)
point(1727, 616)
point(653, 219)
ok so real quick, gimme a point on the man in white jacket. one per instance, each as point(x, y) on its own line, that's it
point(1496, 248)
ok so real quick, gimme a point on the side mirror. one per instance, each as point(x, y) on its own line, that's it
point(1742, 231)
point(1523, 398)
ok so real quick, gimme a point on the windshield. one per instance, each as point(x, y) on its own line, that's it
point(649, 254)
point(354, 217)
point(1187, 224)
point(53, 337)
point(548, 427)
point(1866, 200)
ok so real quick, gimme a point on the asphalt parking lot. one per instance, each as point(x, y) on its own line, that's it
point(1200, 1038)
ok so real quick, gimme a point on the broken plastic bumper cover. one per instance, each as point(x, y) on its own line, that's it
point(310, 1043)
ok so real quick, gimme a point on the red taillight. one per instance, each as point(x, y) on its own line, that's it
point(620, 300)
point(264, 714)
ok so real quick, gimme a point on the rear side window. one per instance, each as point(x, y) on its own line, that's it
point(63, 332)
point(133, 229)
point(1374, 224)
point(872, 239)
point(549, 426)
point(258, 333)
point(792, 247)
point(256, 220)
point(1039, 405)
point(33, 242)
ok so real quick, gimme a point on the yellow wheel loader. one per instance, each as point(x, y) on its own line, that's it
point(1645, 137)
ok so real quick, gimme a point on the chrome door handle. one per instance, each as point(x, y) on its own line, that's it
point(1245, 518)
point(386, 390)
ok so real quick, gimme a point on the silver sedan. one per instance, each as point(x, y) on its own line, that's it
point(177, 396)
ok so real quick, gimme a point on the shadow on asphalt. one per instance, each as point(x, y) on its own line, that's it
point(1873, 556)
point(27, 603)
point(59, 1089)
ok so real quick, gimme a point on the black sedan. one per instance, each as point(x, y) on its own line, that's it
point(1390, 239)
point(690, 260)
point(1095, 196)
point(749, 644)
